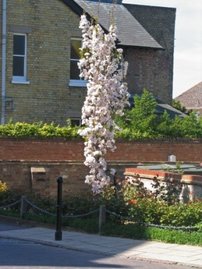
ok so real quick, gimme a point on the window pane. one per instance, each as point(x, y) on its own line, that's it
point(19, 44)
point(75, 52)
point(18, 66)
point(74, 70)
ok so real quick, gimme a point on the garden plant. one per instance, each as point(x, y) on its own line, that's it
point(132, 212)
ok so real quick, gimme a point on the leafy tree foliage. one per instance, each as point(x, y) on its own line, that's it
point(141, 121)
point(176, 104)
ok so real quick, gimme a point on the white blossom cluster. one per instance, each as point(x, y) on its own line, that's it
point(102, 65)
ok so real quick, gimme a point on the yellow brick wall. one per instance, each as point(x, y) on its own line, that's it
point(49, 25)
point(0, 50)
point(48, 97)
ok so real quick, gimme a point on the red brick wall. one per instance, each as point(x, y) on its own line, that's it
point(18, 176)
point(65, 158)
point(43, 150)
point(61, 150)
point(158, 151)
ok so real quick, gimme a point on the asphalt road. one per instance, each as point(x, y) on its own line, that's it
point(16, 254)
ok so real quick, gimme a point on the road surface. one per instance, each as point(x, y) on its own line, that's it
point(17, 254)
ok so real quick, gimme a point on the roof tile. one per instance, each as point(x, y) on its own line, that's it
point(192, 98)
point(130, 31)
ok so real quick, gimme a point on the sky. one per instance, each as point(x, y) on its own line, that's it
point(188, 41)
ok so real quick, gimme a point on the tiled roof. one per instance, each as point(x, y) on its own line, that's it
point(130, 31)
point(192, 99)
point(170, 110)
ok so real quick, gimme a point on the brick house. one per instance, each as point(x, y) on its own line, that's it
point(39, 54)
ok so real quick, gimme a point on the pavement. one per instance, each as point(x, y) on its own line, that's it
point(111, 246)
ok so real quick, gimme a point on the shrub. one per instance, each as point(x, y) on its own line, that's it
point(183, 214)
point(3, 187)
point(42, 130)
point(135, 203)
point(137, 211)
point(3, 191)
point(81, 205)
point(142, 121)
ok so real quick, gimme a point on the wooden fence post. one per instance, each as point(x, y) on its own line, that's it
point(102, 217)
point(22, 207)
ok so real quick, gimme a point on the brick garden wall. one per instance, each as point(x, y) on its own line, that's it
point(63, 150)
point(18, 176)
point(18, 159)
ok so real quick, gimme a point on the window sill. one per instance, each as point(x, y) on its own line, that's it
point(20, 81)
point(77, 83)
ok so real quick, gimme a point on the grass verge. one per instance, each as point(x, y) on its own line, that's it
point(157, 234)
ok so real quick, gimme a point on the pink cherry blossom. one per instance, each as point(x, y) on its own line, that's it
point(103, 67)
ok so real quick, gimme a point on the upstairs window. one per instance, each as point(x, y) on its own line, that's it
point(75, 80)
point(19, 58)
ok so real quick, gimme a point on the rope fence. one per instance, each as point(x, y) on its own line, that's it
point(183, 228)
point(10, 205)
point(25, 205)
point(81, 215)
point(39, 209)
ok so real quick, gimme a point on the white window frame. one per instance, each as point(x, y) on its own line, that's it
point(21, 79)
point(75, 82)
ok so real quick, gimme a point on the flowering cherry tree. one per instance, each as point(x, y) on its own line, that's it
point(102, 65)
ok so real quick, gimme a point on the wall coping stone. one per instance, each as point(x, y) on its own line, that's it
point(119, 140)
point(162, 175)
point(192, 179)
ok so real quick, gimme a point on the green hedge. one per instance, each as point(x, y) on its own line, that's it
point(138, 122)
point(41, 130)
point(173, 130)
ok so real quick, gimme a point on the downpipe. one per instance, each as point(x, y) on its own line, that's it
point(3, 72)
